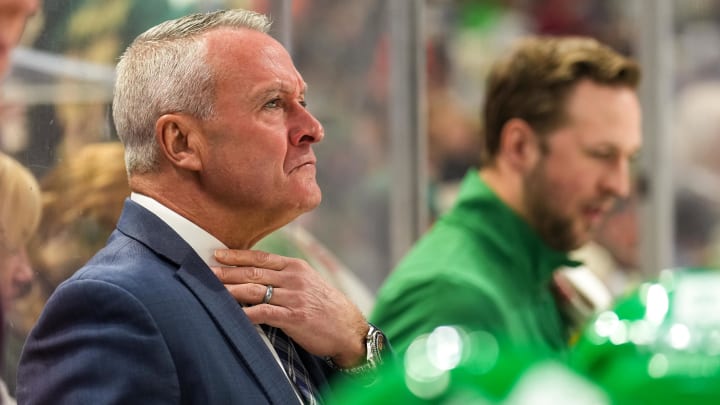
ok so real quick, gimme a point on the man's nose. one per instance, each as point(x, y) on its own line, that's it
point(23, 273)
point(304, 127)
point(617, 179)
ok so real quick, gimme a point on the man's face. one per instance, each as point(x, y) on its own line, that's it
point(15, 275)
point(259, 143)
point(585, 164)
point(13, 16)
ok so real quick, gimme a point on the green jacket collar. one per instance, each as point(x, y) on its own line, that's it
point(512, 233)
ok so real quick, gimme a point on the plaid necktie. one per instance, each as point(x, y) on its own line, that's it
point(294, 368)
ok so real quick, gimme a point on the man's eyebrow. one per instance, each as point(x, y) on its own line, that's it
point(279, 88)
point(265, 93)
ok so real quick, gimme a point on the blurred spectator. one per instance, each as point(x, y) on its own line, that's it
point(82, 198)
point(20, 209)
point(19, 192)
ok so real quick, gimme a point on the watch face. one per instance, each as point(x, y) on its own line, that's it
point(379, 344)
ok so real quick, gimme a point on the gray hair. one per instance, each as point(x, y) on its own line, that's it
point(163, 71)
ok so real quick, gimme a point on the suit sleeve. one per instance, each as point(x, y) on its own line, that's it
point(96, 344)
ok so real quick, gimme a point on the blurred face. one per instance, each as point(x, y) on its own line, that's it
point(585, 165)
point(15, 275)
point(259, 143)
point(13, 15)
point(619, 233)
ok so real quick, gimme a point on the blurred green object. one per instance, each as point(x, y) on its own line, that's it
point(480, 15)
point(454, 366)
point(660, 345)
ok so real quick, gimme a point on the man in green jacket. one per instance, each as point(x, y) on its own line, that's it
point(561, 124)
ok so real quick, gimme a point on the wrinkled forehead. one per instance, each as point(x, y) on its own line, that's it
point(251, 56)
point(244, 46)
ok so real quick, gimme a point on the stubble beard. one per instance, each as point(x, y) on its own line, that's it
point(554, 228)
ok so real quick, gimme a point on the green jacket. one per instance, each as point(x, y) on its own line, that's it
point(481, 267)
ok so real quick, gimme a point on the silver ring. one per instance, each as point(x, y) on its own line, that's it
point(268, 294)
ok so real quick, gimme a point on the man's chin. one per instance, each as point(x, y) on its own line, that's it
point(315, 203)
point(311, 201)
point(568, 242)
point(581, 239)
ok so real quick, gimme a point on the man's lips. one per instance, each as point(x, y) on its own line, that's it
point(595, 213)
point(304, 164)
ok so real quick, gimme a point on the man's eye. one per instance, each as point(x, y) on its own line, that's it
point(274, 103)
point(602, 154)
point(303, 103)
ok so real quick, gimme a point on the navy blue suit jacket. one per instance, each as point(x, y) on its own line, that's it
point(147, 322)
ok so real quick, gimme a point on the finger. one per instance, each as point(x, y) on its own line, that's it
point(239, 275)
point(273, 315)
point(249, 294)
point(256, 258)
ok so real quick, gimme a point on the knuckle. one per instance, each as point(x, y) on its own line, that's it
point(295, 264)
point(260, 257)
point(255, 273)
point(271, 311)
point(301, 282)
point(300, 315)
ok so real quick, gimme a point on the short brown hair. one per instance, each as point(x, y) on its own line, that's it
point(533, 82)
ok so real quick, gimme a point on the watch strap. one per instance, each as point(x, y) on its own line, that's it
point(375, 345)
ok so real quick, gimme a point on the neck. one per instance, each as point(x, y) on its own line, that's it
point(238, 228)
point(507, 185)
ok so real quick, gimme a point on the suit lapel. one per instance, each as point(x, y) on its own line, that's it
point(140, 224)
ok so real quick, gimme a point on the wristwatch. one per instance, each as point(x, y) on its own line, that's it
point(376, 345)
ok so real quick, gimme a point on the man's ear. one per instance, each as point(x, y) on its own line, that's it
point(179, 138)
point(519, 145)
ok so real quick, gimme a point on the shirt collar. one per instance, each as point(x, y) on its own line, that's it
point(202, 242)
